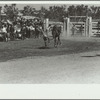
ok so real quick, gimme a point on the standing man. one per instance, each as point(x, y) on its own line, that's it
point(73, 29)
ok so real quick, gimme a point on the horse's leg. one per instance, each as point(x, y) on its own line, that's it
point(55, 42)
point(45, 41)
point(59, 40)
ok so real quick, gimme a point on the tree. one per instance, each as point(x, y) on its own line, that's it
point(93, 11)
point(56, 12)
point(71, 10)
point(11, 11)
point(42, 13)
point(98, 13)
point(28, 11)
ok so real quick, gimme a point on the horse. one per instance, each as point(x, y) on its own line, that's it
point(56, 31)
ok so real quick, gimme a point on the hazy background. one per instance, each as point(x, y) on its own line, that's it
point(38, 6)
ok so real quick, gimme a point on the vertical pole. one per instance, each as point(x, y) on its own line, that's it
point(0, 16)
point(65, 26)
point(86, 27)
point(46, 23)
point(90, 26)
point(68, 26)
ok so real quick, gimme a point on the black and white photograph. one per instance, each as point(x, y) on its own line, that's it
point(49, 43)
point(49, 49)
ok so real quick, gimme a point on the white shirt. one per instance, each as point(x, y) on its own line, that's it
point(4, 30)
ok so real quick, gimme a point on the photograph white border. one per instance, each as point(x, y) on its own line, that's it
point(50, 91)
point(50, 2)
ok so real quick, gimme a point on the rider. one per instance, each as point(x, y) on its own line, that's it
point(47, 33)
point(48, 29)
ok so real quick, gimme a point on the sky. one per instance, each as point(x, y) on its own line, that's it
point(38, 6)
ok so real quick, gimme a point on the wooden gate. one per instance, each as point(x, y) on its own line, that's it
point(77, 29)
point(77, 26)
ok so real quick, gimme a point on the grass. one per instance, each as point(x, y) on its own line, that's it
point(35, 47)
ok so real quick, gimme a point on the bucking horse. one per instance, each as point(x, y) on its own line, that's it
point(56, 31)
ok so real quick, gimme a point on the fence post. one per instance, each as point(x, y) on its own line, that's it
point(87, 27)
point(46, 23)
point(90, 25)
point(65, 27)
point(68, 28)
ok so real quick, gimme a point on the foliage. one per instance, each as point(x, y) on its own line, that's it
point(11, 11)
point(57, 13)
point(28, 11)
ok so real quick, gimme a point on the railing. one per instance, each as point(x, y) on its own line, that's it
point(95, 20)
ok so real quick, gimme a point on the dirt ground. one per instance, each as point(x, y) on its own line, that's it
point(35, 47)
point(76, 61)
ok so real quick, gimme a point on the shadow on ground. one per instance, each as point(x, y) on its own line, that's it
point(43, 47)
point(97, 55)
